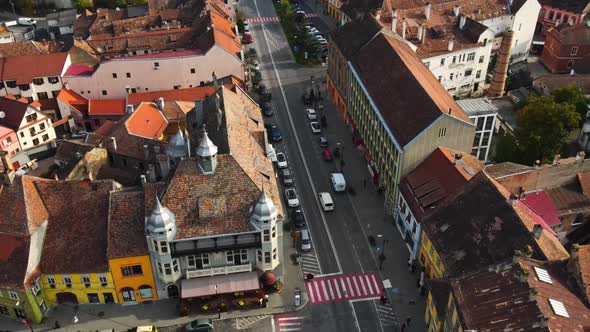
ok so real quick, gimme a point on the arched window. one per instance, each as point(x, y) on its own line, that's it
point(145, 292)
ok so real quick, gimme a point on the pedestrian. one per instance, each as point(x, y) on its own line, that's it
point(56, 325)
point(418, 283)
point(383, 300)
point(403, 327)
point(76, 319)
point(408, 320)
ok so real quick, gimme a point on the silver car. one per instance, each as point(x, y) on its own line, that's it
point(292, 197)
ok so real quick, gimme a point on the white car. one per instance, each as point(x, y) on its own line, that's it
point(292, 197)
point(315, 128)
point(311, 114)
point(26, 21)
point(326, 201)
point(246, 27)
point(281, 160)
point(255, 65)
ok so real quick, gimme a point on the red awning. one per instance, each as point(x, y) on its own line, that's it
point(222, 284)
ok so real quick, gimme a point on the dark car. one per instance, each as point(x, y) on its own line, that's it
point(252, 52)
point(275, 133)
point(264, 93)
point(199, 325)
point(307, 97)
point(266, 108)
point(298, 218)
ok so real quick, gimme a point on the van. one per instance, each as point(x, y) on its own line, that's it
point(338, 182)
point(326, 201)
point(305, 240)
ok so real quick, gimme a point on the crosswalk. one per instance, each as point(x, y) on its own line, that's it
point(387, 315)
point(309, 264)
point(289, 322)
point(243, 323)
point(344, 287)
point(274, 18)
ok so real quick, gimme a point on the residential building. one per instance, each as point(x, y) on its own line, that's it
point(436, 304)
point(9, 141)
point(74, 269)
point(467, 235)
point(540, 292)
point(88, 114)
point(33, 128)
point(561, 12)
point(34, 77)
point(61, 23)
point(19, 32)
point(398, 127)
point(579, 264)
point(442, 175)
point(127, 250)
point(29, 47)
point(195, 236)
point(483, 112)
point(557, 192)
point(566, 45)
point(543, 85)
point(156, 68)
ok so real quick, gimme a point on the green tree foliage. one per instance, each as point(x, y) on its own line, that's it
point(82, 4)
point(116, 3)
point(571, 95)
point(543, 125)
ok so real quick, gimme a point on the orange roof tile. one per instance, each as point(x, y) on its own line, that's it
point(146, 121)
point(106, 107)
point(188, 94)
point(583, 260)
point(224, 34)
point(73, 99)
point(24, 68)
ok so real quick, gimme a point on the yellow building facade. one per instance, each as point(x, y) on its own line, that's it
point(430, 259)
point(79, 288)
point(431, 317)
point(133, 279)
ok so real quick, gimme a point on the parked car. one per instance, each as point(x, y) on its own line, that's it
point(315, 127)
point(338, 182)
point(327, 155)
point(199, 325)
point(246, 28)
point(252, 52)
point(323, 141)
point(292, 197)
point(266, 108)
point(326, 201)
point(281, 160)
point(287, 177)
point(298, 218)
point(307, 97)
point(247, 39)
point(311, 114)
point(26, 21)
point(264, 93)
point(275, 133)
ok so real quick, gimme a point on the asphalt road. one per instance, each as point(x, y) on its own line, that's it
point(337, 236)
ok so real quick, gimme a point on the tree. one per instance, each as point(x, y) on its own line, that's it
point(571, 95)
point(543, 125)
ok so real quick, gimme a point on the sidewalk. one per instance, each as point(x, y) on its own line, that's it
point(369, 204)
point(93, 317)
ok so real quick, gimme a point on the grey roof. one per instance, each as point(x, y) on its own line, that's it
point(177, 146)
point(264, 210)
point(478, 106)
point(160, 220)
point(206, 148)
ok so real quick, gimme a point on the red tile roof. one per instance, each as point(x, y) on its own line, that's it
point(29, 47)
point(540, 203)
point(105, 128)
point(80, 70)
point(186, 94)
point(106, 107)
point(584, 179)
point(126, 224)
point(24, 68)
point(146, 121)
point(583, 265)
point(74, 100)
point(14, 257)
point(14, 112)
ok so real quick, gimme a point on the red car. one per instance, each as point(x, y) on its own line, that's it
point(247, 38)
point(327, 155)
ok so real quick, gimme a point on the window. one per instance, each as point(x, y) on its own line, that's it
point(19, 313)
point(126, 271)
point(274, 231)
point(244, 255)
point(198, 261)
point(468, 72)
point(36, 141)
point(50, 280)
point(32, 131)
point(42, 95)
point(431, 251)
point(102, 278)
point(43, 307)
point(551, 14)
point(574, 50)
point(486, 138)
point(145, 292)
point(4, 310)
point(24, 87)
point(156, 64)
point(160, 268)
point(104, 92)
point(440, 78)
point(133, 90)
point(478, 74)
point(442, 132)
point(193, 70)
point(476, 139)
point(53, 79)
point(137, 270)
point(274, 253)
point(163, 247)
point(558, 16)
point(442, 61)
point(128, 75)
point(13, 295)
point(471, 56)
point(67, 280)
point(454, 58)
point(86, 278)
point(489, 122)
point(93, 298)
point(267, 256)
point(11, 84)
point(481, 58)
point(41, 126)
point(266, 234)
point(427, 64)
point(259, 255)
point(167, 269)
point(175, 265)
point(451, 76)
point(38, 81)
point(54, 94)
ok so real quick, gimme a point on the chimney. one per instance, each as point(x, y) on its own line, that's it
point(458, 160)
point(420, 32)
point(537, 231)
point(427, 10)
point(214, 82)
point(451, 44)
point(462, 21)
point(501, 70)
point(404, 24)
point(394, 21)
point(146, 152)
point(114, 141)
point(457, 10)
point(161, 104)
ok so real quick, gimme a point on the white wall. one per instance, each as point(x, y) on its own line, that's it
point(171, 72)
point(26, 138)
point(34, 89)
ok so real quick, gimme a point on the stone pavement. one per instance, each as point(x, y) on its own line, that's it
point(370, 209)
point(93, 317)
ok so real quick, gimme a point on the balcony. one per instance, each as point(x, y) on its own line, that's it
point(199, 246)
point(218, 270)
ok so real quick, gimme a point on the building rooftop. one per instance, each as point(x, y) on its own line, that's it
point(575, 6)
point(106, 107)
point(29, 47)
point(577, 34)
point(440, 290)
point(69, 151)
point(126, 224)
point(355, 34)
point(14, 112)
point(582, 254)
point(540, 203)
point(436, 180)
point(547, 83)
point(26, 67)
point(478, 106)
point(146, 121)
point(419, 99)
point(14, 258)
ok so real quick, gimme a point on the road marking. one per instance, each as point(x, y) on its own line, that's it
point(317, 292)
point(325, 292)
point(328, 274)
point(356, 286)
point(363, 285)
point(369, 284)
point(300, 149)
point(350, 287)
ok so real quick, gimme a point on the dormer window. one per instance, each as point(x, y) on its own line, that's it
point(11, 84)
point(38, 81)
point(24, 87)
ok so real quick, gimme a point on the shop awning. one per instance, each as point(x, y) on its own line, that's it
point(230, 283)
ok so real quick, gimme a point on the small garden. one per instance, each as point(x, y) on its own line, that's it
point(306, 50)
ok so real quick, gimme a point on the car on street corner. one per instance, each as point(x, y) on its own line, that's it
point(281, 160)
point(199, 325)
point(266, 108)
point(311, 114)
point(292, 197)
point(275, 133)
point(323, 141)
point(315, 127)
point(298, 218)
point(287, 177)
point(327, 155)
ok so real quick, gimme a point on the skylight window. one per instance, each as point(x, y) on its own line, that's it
point(558, 308)
point(543, 275)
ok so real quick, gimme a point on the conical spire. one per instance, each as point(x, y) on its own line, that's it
point(206, 147)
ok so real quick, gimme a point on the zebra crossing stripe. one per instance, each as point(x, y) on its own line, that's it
point(358, 291)
point(369, 284)
point(362, 285)
point(376, 285)
point(350, 287)
point(337, 288)
point(310, 293)
point(329, 281)
point(317, 290)
point(324, 290)
point(344, 289)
